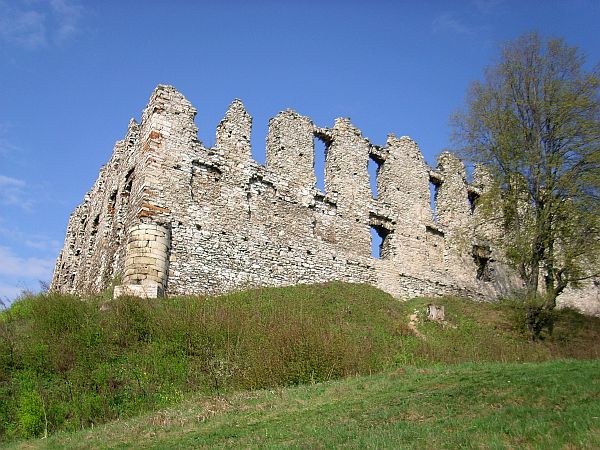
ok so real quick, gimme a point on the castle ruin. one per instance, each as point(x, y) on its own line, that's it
point(169, 216)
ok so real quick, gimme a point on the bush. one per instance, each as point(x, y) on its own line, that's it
point(30, 411)
point(530, 317)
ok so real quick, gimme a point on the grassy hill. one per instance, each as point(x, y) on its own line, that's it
point(489, 405)
point(67, 364)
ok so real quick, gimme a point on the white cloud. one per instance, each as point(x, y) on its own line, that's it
point(12, 192)
point(20, 273)
point(33, 24)
point(67, 16)
point(23, 27)
point(43, 244)
point(486, 6)
point(25, 267)
point(8, 292)
point(449, 22)
point(5, 146)
point(37, 241)
point(8, 181)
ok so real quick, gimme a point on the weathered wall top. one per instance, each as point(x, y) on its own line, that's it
point(168, 215)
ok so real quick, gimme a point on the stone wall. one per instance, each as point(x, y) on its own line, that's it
point(168, 215)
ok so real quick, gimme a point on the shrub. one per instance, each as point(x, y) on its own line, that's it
point(530, 317)
point(31, 414)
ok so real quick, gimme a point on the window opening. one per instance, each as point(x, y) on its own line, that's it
point(128, 181)
point(112, 201)
point(481, 256)
point(434, 187)
point(379, 241)
point(473, 197)
point(95, 226)
point(320, 151)
point(374, 166)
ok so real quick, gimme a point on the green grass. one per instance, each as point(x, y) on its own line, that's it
point(65, 365)
point(488, 405)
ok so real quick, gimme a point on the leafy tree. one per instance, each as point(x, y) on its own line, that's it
point(534, 122)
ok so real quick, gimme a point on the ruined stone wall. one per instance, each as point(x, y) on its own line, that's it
point(168, 215)
point(95, 244)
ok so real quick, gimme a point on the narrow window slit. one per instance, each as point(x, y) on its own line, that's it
point(320, 150)
point(95, 224)
point(112, 201)
point(434, 187)
point(128, 181)
point(374, 167)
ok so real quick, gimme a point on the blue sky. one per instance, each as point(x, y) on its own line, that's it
point(73, 73)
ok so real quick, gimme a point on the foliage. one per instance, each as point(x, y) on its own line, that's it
point(534, 122)
point(530, 317)
point(30, 413)
point(69, 364)
point(78, 363)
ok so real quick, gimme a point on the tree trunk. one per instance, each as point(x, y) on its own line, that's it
point(534, 267)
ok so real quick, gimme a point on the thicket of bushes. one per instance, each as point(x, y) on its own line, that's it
point(67, 363)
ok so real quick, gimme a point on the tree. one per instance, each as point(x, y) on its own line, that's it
point(534, 122)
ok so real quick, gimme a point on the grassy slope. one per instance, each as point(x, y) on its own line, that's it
point(549, 405)
point(93, 367)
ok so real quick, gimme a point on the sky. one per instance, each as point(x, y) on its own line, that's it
point(73, 72)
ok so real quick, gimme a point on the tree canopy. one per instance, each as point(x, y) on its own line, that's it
point(534, 122)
